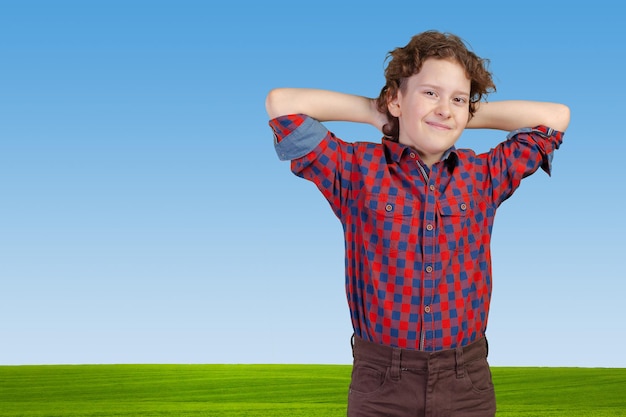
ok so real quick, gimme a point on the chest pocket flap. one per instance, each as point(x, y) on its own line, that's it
point(453, 207)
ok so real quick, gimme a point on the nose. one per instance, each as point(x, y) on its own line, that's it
point(443, 109)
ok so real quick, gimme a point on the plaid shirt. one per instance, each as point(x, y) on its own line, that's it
point(417, 240)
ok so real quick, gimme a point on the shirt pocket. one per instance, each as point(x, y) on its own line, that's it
point(388, 220)
point(454, 218)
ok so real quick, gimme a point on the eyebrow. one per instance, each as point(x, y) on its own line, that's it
point(437, 87)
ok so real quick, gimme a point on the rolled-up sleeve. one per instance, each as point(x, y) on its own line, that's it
point(524, 152)
point(296, 135)
point(545, 138)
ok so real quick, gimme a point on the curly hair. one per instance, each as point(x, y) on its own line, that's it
point(406, 61)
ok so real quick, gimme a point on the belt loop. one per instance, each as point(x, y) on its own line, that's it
point(460, 366)
point(396, 363)
point(352, 344)
point(486, 347)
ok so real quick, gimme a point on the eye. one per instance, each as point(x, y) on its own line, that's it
point(460, 100)
point(430, 93)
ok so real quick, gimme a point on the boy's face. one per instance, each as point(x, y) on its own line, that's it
point(433, 108)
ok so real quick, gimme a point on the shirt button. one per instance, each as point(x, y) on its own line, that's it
point(431, 187)
point(412, 155)
point(463, 206)
point(429, 227)
point(427, 309)
point(388, 207)
point(429, 269)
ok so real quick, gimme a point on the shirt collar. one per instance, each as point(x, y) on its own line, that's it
point(396, 150)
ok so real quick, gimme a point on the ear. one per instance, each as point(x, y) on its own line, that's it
point(393, 105)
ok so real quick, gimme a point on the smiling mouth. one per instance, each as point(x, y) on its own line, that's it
point(438, 126)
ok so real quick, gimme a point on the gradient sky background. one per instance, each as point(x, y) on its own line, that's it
point(145, 218)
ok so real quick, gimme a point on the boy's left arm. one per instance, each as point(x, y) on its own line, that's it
point(511, 115)
point(536, 131)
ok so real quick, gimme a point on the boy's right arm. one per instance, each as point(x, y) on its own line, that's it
point(323, 105)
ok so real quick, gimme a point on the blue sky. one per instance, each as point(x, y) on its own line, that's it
point(145, 218)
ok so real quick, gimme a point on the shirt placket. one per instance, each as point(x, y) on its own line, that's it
point(428, 266)
point(428, 228)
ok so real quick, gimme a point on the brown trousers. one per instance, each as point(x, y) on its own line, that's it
point(397, 382)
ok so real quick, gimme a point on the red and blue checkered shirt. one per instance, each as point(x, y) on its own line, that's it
point(417, 239)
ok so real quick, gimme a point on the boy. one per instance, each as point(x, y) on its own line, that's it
point(417, 215)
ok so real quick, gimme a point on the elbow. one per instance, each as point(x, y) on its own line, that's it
point(562, 118)
point(274, 103)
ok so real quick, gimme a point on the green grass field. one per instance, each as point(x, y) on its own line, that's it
point(275, 390)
